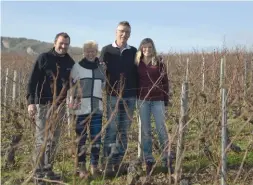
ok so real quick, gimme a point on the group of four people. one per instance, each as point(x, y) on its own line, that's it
point(131, 79)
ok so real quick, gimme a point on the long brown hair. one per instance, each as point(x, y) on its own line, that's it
point(139, 54)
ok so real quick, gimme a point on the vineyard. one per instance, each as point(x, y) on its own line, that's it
point(195, 120)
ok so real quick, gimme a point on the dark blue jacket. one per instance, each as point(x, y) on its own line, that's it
point(47, 69)
point(121, 70)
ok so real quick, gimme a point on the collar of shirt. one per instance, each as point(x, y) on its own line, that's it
point(115, 45)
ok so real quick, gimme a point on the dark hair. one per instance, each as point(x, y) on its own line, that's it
point(63, 34)
point(124, 23)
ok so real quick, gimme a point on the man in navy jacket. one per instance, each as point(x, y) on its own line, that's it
point(46, 96)
point(121, 90)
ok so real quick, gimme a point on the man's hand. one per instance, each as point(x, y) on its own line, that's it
point(103, 64)
point(32, 110)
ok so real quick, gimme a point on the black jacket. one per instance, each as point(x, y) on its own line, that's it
point(121, 70)
point(47, 69)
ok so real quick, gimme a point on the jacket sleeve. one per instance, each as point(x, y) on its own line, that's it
point(74, 82)
point(102, 58)
point(69, 81)
point(135, 72)
point(103, 62)
point(34, 79)
point(165, 83)
point(102, 70)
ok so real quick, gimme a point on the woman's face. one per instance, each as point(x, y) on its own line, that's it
point(147, 50)
point(90, 53)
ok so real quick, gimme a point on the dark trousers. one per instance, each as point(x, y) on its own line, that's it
point(94, 123)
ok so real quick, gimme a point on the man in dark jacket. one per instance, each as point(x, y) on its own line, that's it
point(46, 95)
point(121, 90)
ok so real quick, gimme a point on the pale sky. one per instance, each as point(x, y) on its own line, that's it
point(176, 26)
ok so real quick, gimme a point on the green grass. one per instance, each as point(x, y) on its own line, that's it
point(192, 163)
point(196, 165)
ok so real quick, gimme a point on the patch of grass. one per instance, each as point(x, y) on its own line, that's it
point(236, 159)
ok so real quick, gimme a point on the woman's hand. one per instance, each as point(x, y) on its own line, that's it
point(75, 104)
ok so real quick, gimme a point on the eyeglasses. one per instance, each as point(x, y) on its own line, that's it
point(124, 31)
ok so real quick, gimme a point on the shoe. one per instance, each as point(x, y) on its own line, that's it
point(108, 171)
point(235, 148)
point(52, 175)
point(37, 178)
point(95, 172)
point(149, 166)
point(83, 175)
point(165, 168)
point(121, 169)
point(82, 170)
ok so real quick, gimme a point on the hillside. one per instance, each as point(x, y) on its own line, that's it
point(31, 47)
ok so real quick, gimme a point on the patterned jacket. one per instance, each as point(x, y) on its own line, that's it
point(88, 84)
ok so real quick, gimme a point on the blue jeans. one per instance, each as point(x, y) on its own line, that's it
point(157, 108)
point(116, 135)
point(94, 123)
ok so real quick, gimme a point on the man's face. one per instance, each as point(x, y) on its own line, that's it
point(123, 33)
point(61, 45)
